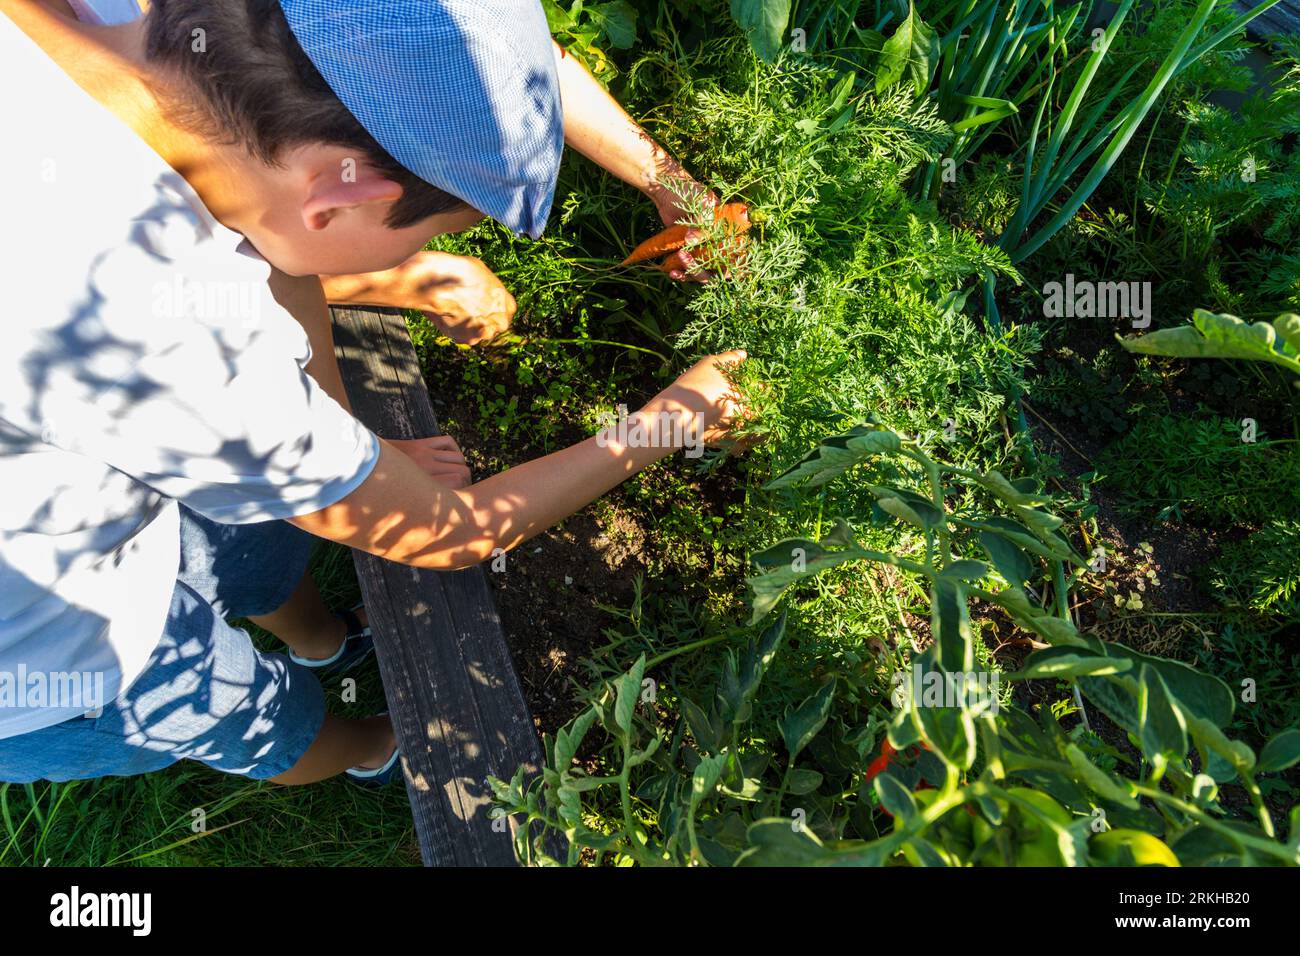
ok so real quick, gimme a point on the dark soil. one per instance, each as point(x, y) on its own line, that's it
point(1178, 552)
point(550, 590)
point(548, 597)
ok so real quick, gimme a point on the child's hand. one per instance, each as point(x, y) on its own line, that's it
point(723, 245)
point(674, 191)
point(705, 389)
point(459, 294)
point(440, 457)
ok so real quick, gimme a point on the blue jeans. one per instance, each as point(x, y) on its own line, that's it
point(207, 693)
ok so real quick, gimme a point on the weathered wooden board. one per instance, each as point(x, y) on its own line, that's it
point(456, 701)
point(1282, 18)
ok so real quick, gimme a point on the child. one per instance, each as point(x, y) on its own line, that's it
point(169, 442)
point(459, 293)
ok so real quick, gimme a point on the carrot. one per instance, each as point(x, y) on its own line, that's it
point(735, 215)
point(669, 240)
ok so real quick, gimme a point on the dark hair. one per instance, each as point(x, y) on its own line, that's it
point(260, 90)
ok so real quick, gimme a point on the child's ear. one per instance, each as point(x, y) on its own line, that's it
point(348, 187)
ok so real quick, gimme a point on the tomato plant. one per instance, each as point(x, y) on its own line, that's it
point(1003, 788)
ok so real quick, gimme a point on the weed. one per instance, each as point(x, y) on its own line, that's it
point(1170, 467)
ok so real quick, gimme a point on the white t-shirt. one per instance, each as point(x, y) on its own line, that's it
point(144, 362)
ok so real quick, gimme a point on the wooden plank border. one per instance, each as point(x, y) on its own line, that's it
point(456, 701)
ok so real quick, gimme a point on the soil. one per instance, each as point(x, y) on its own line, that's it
point(1177, 555)
point(550, 589)
point(548, 599)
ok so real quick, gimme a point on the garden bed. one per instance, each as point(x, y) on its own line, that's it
point(861, 301)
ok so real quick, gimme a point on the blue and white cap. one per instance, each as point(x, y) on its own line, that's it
point(463, 93)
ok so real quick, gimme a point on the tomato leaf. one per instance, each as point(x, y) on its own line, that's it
point(778, 841)
point(950, 623)
point(628, 693)
point(794, 559)
point(1218, 335)
point(1162, 729)
point(1065, 663)
point(894, 797)
point(1281, 752)
point(802, 724)
point(1007, 558)
point(838, 454)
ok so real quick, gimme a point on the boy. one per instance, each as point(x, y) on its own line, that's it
point(459, 293)
point(167, 431)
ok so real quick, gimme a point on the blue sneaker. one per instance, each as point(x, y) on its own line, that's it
point(374, 778)
point(356, 647)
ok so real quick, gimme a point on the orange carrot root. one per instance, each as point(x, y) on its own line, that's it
point(735, 215)
point(669, 240)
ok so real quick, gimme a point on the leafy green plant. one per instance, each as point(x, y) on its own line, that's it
point(1262, 572)
point(586, 29)
point(1061, 144)
point(764, 23)
point(1225, 336)
point(1088, 393)
point(1247, 657)
point(1226, 200)
point(1002, 788)
point(1073, 138)
point(1171, 466)
point(994, 56)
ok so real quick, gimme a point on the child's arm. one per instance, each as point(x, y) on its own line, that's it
point(402, 514)
point(599, 128)
point(301, 297)
point(459, 294)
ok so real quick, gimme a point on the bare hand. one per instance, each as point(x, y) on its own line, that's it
point(704, 388)
point(440, 457)
point(682, 264)
point(459, 294)
point(676, 194)
point(677, 202)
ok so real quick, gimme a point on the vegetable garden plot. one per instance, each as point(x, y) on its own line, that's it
point(918, 176)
